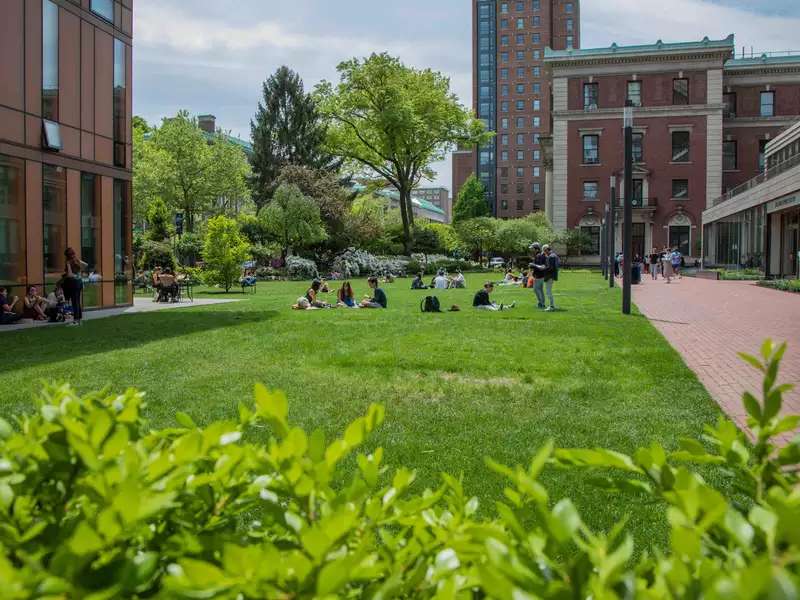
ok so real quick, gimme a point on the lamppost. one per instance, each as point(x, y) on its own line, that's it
point(611, 219)
point(603, 243)
point(627, 228)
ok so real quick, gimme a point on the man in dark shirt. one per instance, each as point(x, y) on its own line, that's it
point(378, 299)
point(7, 314)
point(539, 268)
point(483, 302)
point(550, 274)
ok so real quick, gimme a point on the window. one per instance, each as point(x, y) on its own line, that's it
point(537, 20)
point(729, 105)
point(520, 72)
point(51, 136)
point(520, 39)
point(520, 104)
point(120, 104)
point(504, 155)
point(503, 188)
point(537, 88)
point(535, 139)
point(520, 172)
point(520, 188)
point(504, 73)
point(638, 147)
point(503, 7)
point(591, 149)
point(537, 155)
point(520, 122)
point(537, 188)
point(762, 153)
point(537, 122)
point(568, 7)
point(504, 106)
point(637, 196)
point(12, 220)
point(570, 42)
point(680, 91)
point(592, 233)
point(486, 91)
point(504, 172)
point(104, 8)
point(90, 222)
point(680, 146)
point(570, 25)
point(767, 104)
point(729, 159)
point(536, 38)
point(504, 123)
point(679, 238)
point(520, 139)
point(520, 88)
point(520, 23)
point(537, 105)
point(504, 139)
point(680, 189)
point(504, 40)
point(591, 190)
point(504, 57)
point(520, 204)
point(591, 91)
point(49, 60)
point(123, 274)
point(537, 54)
point(520, 155)
point(635, 93)
point(520, 55)
point(54, 221)
point(537, 172)
point(537, 4)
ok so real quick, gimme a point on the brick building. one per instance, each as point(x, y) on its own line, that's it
point(65, 143)
point(512, 96)
point(439, 197)
point(701, 122)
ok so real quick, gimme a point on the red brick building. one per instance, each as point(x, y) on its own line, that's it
point(65, 143)
point(512, 96)
point(701, 122)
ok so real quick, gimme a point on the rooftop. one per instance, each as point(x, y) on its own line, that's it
point(395, 195)
point(642, 50)
point(763, 60)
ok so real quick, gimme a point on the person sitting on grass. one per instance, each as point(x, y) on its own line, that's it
point(303, 304)
point(458, 281)
point(441, 282)
point(346, 296)
point(7, 305)
point(378, 299)
point(312, 295)
point(33, 305)
point(418, 284)
point(482, 300)
point(55, 302)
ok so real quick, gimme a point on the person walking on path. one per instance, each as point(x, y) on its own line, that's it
point(676, 258)
point(551, 275)
point(655, 259)
point(538, 269)
point(73, 283)
point(666, 265)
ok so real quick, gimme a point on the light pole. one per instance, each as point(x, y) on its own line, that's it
point(612, 242)
point(627, 228)
point(603, 243)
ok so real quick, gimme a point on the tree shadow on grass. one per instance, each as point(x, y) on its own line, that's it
point(50, 345)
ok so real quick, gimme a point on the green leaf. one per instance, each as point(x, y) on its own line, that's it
point(5, 429)
point(85, 540)
point(752, 360)
point(273, 407)
point(739, 528)
point(751, 406)
point(185, 420)
point(568, 521)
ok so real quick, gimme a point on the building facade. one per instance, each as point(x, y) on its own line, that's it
point(512, 95)
point(757, 224)
point(439, 197)
point(65, 144)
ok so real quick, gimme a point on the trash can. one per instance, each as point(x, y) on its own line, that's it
point(636, 273)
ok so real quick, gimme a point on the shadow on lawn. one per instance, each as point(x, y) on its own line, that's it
point(51, 345)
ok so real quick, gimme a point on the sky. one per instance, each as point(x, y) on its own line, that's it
point(211, 56)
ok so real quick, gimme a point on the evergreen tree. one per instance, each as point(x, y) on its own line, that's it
point(471, 201)
point(286, 131)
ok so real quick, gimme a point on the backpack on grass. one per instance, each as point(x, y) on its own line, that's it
point(430, 304)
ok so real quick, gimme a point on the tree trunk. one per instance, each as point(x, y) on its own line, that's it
point(407, 213)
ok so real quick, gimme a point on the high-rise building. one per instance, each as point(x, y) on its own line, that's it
point(65, 144)
point(512, 95)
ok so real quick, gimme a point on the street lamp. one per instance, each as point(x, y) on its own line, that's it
point(627, 228)
point(611, 219)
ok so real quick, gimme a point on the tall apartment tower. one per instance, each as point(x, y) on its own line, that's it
point(512, 94)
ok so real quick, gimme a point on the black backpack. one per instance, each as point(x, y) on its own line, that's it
point(430, 304)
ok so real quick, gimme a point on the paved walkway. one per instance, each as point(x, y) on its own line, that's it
point(140, 305)
point(709, 322)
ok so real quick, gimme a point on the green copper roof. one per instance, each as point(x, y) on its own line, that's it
point(395, 195)
point(659, 46)
point(244, 145)
point(760, 61)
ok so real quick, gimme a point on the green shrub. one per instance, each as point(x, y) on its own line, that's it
point(94, 504)
point(740, 274)
point(224, 252)
point(189, 249)
point(784, 285)
point(156, 254)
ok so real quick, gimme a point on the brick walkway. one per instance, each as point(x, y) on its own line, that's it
point(708, 322)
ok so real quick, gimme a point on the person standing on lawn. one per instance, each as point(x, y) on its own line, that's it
point(538, 270)
point(550, 274)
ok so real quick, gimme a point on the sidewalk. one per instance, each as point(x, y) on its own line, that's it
point(141, 305)
point(709, 322)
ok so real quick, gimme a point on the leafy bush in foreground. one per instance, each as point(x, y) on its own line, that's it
point(95, 505)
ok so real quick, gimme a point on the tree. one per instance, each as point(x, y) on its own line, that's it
point(229, 173)
point(287, 130)
point(224, 252)
point(514, 236)
point(159, 221)
point(293, 220)
point(478, 234)
point(149, 170)
point(426, 240)
point(394, 121)
point(364, 222)
point(471, 201)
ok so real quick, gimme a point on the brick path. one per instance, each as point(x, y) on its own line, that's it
point(708, 322)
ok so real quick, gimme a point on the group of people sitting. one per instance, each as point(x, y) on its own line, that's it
point(34, 306)
point(441, 281)
point(345, 296)
point(166, 285)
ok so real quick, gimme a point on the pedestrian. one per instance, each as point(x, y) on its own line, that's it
point(551, 274)
point(654, 264)
point(538, 271)
point(676, 258)
point(666, 265)
point(72, 283)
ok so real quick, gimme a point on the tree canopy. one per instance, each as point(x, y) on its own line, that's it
point(471, 201)
point(286, 130)
point(293, 220)
point(394, 121)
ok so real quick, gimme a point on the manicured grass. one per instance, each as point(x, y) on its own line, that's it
point(457, 386)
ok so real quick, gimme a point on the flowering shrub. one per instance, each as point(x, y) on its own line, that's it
point(301, 268)
point(355, 263)
point(95, 504)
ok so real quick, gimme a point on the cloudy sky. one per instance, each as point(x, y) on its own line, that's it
point(211, 56)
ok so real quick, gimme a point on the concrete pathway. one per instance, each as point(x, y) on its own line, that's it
point(140, 305)
point(709, 322)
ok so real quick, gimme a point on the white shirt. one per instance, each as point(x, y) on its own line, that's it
point(441, 282)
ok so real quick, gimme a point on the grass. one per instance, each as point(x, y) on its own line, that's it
point(457, 386)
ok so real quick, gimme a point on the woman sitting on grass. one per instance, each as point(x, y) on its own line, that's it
point(346, 296)
point(34, 305)
point(312, 295)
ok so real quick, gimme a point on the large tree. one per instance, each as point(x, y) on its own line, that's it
point(286, 130)
point(293, 220)
point(479, 235)
point(394, 121)
point(471, 201)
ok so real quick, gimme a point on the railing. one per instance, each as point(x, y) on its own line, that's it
point(640, 202)
point(770, 173)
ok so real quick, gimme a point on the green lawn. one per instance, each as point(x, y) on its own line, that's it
point(457, 386)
